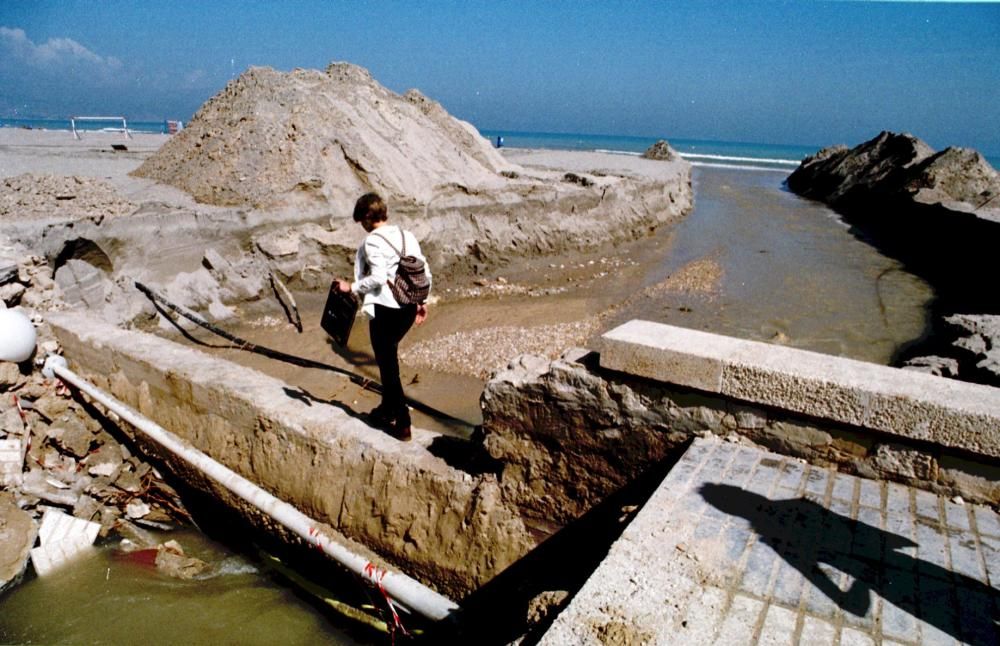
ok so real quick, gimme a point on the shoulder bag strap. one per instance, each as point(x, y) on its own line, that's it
point(376, 233)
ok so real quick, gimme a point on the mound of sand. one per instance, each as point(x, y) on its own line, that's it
point(272, 138)
point(69, 197)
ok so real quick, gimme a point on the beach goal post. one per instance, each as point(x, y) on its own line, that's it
point(124, 127)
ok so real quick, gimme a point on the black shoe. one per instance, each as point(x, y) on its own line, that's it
point(378, 418)
point(401, 433)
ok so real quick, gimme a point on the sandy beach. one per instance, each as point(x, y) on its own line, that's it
point(483, 315)
point(534, 303)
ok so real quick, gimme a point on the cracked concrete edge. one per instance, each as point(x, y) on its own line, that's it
point(901, 402)
point(436, 523)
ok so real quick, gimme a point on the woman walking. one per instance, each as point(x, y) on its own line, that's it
point(375, 267)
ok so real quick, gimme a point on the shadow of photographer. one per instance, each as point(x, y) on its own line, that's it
point(807, 535)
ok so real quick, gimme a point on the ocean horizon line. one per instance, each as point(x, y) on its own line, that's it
point(706, 153)
point(699, 152)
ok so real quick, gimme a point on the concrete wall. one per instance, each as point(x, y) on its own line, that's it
point(907, 404)
point(571, 431)
point(438, 524)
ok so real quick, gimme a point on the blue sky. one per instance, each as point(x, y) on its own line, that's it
point(798, 72)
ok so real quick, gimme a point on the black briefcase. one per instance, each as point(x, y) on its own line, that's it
point(338, 314)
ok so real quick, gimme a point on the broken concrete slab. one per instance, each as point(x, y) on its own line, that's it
point(75, 439)
point(37, 483)
point(105, 461)
point(17, 534)
point(62, 538)
point(11, 462)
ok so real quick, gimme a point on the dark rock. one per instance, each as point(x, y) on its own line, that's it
point(899, 169)
point(938, 213)
point(979, 341)
point(573, 178)
point(839, 175)
point(934, 365)
point(661, 150)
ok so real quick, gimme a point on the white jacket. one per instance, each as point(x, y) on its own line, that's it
point(376, 263)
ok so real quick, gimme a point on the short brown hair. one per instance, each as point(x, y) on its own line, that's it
point(372, 206)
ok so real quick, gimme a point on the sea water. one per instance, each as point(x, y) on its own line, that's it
point(726, 154)
point(699, 152)
point(109, 124)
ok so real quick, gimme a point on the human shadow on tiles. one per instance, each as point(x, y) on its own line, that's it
point(807, 535)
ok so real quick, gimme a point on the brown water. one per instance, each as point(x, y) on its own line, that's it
point(790, 272)
point(101, 598)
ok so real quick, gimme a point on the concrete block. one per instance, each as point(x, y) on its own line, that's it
point(62, 539)
point(11, 462)
point(666, 353)
point(905, 403)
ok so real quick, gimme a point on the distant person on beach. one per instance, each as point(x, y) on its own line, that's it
point(375, 265)
point(499, 141)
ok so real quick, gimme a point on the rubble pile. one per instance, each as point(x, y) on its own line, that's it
point(54, 454)
point(66, 197)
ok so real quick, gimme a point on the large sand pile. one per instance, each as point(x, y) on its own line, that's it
point(271, 137)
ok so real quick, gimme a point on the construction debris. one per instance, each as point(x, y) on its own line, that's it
point(58, 462)
point(62, 538)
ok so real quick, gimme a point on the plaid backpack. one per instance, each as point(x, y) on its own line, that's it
point(411, 284)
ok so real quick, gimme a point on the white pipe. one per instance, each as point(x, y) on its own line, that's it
point(410, 592)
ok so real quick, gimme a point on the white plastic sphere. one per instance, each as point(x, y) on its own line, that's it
point(17, 336)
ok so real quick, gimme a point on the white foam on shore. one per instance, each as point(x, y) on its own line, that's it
point(694, 159)
point(738, 167)
point(761, 160)
point(617, 152)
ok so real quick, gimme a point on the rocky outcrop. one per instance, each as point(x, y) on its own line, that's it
point(899, 169)
point(661, 150)
point(938, 212)
point(971, 347)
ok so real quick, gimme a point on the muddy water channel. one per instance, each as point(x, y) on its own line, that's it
point(104, 598)
point(752, 261)
point(788, 271)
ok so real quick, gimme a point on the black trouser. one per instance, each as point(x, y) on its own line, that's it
point(386, 330)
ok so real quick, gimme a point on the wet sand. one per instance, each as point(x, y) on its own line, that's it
point(751, 261)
